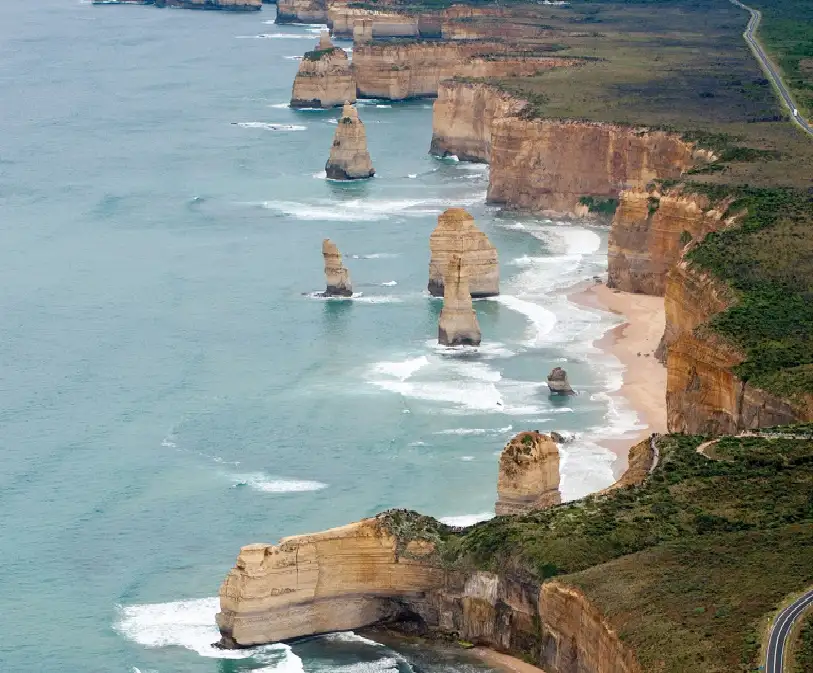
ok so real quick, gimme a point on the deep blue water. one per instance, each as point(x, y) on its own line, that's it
point(169, 392)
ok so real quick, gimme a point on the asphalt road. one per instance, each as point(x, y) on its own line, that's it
point(780, 630)
point(756, 48)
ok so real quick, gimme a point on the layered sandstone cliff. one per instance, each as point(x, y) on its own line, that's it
point(301, 11)
point(324, 79)
point(337, 277)
point(703, 394)
point(462, 117)
point(457, 325)
point(547, 166)
point(648, 233)
point(456, 234)
point(529, 474)
point(387, 568)
point(349, 158)
point(411, 70)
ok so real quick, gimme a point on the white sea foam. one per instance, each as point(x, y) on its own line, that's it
point(467, 459)
point(465, 520)
point(290, 58)
point(542, 320)
point(377, 255)
point(412, 176)
point(389, 283)
point(190, 624)
point(401, 370)
point(260, 481)
point(280, 106)
point(355, 210)
point(349, 637)
point(383, 106)
point(271, 126)
point(321, 175)
point(475, 431)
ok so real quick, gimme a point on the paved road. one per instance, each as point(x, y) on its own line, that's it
point(756, 48)
point(779, 633)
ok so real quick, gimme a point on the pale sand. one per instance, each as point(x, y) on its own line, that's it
point(644, 384)
point(504, 662)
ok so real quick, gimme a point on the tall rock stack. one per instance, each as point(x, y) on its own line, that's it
point(458, 321)
point(456, 234)
point(336, 275)
point(325, 78)
point(349, 158)
point(529, 474)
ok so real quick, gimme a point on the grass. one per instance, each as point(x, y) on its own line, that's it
point(803, 650)
point(685, 566)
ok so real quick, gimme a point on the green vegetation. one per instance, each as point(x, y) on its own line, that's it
point(685, 566)
point(317, 54)
point(768, 261)
point(803, 653)
point(601, 206)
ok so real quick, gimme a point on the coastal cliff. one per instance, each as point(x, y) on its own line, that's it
point(415, 69)
point(529, 474)
point(324, 79)
point(703, 394)
point(457, 324)
point(648, 233)
point(462, 117)
point(387, 569)
point(456, 234)
point(301, 11)
point(349, 158)
point(550, 166)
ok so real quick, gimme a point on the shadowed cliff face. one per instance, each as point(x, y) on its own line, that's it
point(367, 573)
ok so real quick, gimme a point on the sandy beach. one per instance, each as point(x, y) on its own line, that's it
point(633, 343)
point(504, 662)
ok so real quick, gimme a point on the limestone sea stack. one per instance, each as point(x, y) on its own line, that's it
point(529, 474)
point(458, 321)
point(349, 158)
point(456, 234)
point(324, 79)
point(558, 383)
point(337, 276)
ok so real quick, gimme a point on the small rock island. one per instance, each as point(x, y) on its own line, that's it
point(456, 234)
point(457, 325)
point(336, 275)
point(325, 78)
point(349, 158)
point(558, 383)
point(529, 474)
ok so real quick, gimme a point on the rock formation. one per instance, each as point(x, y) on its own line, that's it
point(324, 79)
point(457, 325)
point(412, 70)
point(385, 569)
point(547, 166)
point(648, 233)
point(456, 234)
point(349, 158)
point(336, 275)
point(301, 11)
point(529, 474)
point(558, 383)
point(462, 117)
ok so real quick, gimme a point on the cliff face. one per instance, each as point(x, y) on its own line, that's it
point(364, 25)
point(546, 166)
point(462, 117)
point(337, 277)
point(529, 474)
point(703, 395)
point(457, 325)
point(301, 11)
point(349, 158)
point(324, 78)
point(399, 71)
point(361, 574)
point(456, 234)
point(648, 233)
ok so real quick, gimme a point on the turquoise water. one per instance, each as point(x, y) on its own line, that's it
point(170, 392)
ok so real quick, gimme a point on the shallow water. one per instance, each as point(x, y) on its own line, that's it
point(170, 391)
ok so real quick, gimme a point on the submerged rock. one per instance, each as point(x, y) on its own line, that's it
point(349, 158)
point(325, 78)
point(337, 276)
point(558, 383)
point(458, 321)
point(529, 474)
point(456, 234)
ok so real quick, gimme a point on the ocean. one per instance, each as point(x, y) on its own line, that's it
point(170, 388)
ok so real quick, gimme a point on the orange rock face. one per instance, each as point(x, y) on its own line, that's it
point(545, 166)
point(324, 79)
point(529, 474)
point(301, 11)
point(648, 233)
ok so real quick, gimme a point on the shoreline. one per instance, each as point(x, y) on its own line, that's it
point(633, 343)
